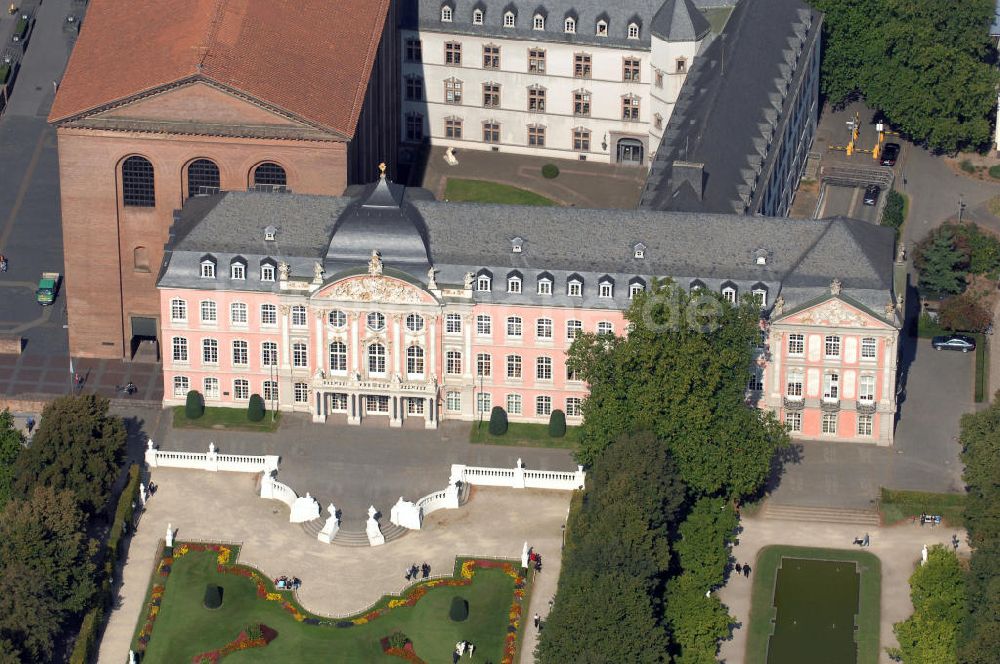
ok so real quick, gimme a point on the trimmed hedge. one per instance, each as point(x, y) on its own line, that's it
point(459, 610)
point(995, 171)
point(557, 424)
point(194, 407)
point(86, 640)
point(213, 596)
point(255, 411)
point(498, 421)
point(550, 171)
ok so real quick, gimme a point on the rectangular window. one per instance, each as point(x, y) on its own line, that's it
point(484, 365)
point(268, 315)
point(832, 346)
point(514, 366)
point(452, 91)
point(240, 354)
point(831, 386)
point(491, 132)
point(514, 326)
point(514, 285)
point(544, 287)
point(793, 422)
point(180, 349)
point(209, 312)
point(178, 311)
point(794, 384)
point(796, 344)
point(630, 70)
point(238, 313)
point(866, 388)
point(536, 136)
point(210, 351)
point(211, 387)
point(238, 271)
point(491, 95)
point(543, 406)
point(581, 65)
point(414, 88)
point(300, 355)
point(241, 389)
point(865, 425)
point(543, 328)
point(581, 140)
point(269, 354)
point(453, 362)
point(453, 53)
point(267, 272)
point(630, 108)
point(536, 60)
point(574, 328)
point(574, 289)
point(270, 390)
point(301, 393)
point(484, 325)
point(453, 324)
point(299, 316)
point(413, 50)
point(414, 127)
point(581, 103)
point(574, 407)
point(453, 402)
point(829, 423)
point(605, 289)
point(571, 373)
point(453, 128)
point(484, 402)
point(536, 99)
point(491, 57)
point(868, 348)
point(208, 270)
point(543, 368)
point(756, 382)
point(181, 386)
point(514, 404)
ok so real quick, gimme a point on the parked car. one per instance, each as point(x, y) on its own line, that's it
point(954, 342)
point(890, 153)
point(871, 194)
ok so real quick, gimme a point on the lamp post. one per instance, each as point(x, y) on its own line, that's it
point(961, 206)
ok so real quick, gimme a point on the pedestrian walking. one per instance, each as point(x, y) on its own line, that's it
point(472, 649)
point(414, 571)
point(867, 541)
point(407, 573)
point(31, 424)
point(425, 570)
point(746, 570)
point(739, 569)
point(537, 621)
point(954, 541)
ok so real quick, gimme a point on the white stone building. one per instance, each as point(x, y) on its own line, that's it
point(564, 79)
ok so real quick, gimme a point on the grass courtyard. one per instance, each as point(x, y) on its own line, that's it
point(483, 191)
point(180, 627)
point(802, 601)
point(232, 419)
point(524, 434)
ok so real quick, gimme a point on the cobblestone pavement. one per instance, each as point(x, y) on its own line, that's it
point(897, 547)
point(336, 580)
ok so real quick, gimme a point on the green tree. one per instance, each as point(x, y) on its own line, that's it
point(498, 421)
point(937, 589)
point(980, 250)
point(892, 214)
point(194, 406)
point(11, 444)
point(964, 313)
point(78, 446)
point(938, 262)
point(255, 409)
point(46, 572)
point(557, 424)
point(681, 373)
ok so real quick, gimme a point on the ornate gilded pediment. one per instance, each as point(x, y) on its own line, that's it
point(374, 288)
point(835, 313)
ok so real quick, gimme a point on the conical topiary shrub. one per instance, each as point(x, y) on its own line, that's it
point(557, 424)
point(459, 610)
point(194, 407)
point(498, 421)
point(213, 596)
point(255, 411)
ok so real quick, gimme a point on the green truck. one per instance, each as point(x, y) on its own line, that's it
point(48, 286)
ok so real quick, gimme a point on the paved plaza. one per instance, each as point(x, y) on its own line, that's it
point(337, 580)
point(897, 547)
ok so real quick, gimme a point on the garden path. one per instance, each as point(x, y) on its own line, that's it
point(336, 580)
point(898, 548)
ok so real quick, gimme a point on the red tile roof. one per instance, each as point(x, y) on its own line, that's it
point(310, 58)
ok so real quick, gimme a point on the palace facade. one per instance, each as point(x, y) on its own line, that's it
point(391, 305)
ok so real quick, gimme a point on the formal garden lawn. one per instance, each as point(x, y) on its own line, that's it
point(234, 419)
point(483, 191)
point(524, 434)
point(183, 628)
point(815, 605)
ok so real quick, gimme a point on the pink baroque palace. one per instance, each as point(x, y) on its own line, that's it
point(387, 304)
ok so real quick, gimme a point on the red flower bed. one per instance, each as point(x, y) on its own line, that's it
point(242, 642)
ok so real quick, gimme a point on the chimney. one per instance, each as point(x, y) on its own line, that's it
point(690, 172)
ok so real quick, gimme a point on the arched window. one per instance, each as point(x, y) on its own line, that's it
point(633, 31)
point(508, 20)
point(570, 25)
point(203, 178)
point(539, 22)
point(140, 259)
point(269, 176)
point(137, 183)
point(414, 360)
point(376, 359)
point(338, 356)
point(446, 13)
point(602, 28)
point(477, 17)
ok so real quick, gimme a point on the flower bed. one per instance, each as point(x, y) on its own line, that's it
point(255, 636)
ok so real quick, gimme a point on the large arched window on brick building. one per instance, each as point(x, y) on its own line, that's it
point(137, 183)
point(203, 178)
point(269, 176)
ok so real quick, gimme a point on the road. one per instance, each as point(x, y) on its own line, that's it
point(847, 202)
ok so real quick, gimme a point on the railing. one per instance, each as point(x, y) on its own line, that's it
point(828, 405)
point(518, 477)
point(866, 407)
point(211, 460)
point(793, 403)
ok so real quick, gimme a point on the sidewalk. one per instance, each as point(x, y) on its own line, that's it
point(897, 547)
point(336, 580)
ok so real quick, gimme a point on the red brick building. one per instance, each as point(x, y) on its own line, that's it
point(162, 102)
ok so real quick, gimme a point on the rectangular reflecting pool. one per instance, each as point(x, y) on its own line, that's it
point(817, 605)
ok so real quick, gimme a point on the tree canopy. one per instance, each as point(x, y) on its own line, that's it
point(924, 63)
point(11, 444)
point(940, 263)
point(77, 446)
point(681, 373)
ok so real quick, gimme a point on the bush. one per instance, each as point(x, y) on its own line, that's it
point(557, 424)
point(550, 171)
point(213, 596)
point(194, 407)
point(498, 421)
point(964, 314)
point(398, 640)
point(255, 411)
point(459, 610)
point(892, 214)
point(86, 640)
point(967, 166)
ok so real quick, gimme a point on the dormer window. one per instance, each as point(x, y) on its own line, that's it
point(508, 19)
point(237, 270)
point(606, 289)
point(760, 257)
point(639, 251)
point(208, 268)
point(633, 31)
point(270, 233)
point(729, 292)
point(635, 287)
point(267, 272)
point(761, 260)
point(760, 295)
point(446, 14)
point(517, 245)
point(483, 283)
point(545, 286)
point(513, 284)
point(602, 28)
point(570, 25)
point(477, 17)
point(539, 22)
point(574, 288)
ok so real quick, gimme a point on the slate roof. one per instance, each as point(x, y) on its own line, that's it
point(731, 105)
point(802, 256)
point(304, 58)
point(680, 21)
